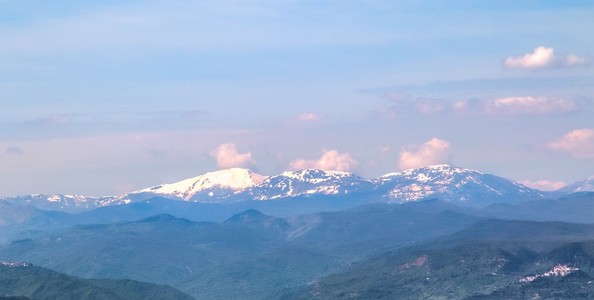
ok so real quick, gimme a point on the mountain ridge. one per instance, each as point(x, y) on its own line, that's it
point(238, 184)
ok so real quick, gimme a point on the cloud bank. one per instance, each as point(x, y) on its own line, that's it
point(543, 57)
point(227, 156)
point(578, 143)
point(530, 105)
point(544, 185)
point(432, 152)
point(331, 160)
point(303, 118)
point(509, 105)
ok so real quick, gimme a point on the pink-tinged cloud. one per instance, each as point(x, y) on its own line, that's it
point(227, 156)
point(574, 60)
point(331, 160)
point(429, 106)
point(530, 105)
point(543, 57)
point(578, 143)
point(303, 118)
point(432, 152)
point(308, 117)
point(544, 185)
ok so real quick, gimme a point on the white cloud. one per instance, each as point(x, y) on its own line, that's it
point(307, 117)
point(543, 57)
point(544, 185)
point(303, 118)
point(228, 156)
point(434, 151)
point(510, 105)
point(572, 60)
point(578, 143)
point(530, 105)
point(331, 160)
point(429, 106)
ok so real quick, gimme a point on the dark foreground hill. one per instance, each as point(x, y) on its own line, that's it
point(23, 281)
point(490, 260)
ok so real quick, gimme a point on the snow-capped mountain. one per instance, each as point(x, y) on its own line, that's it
point(68, 203)
point(209, 187)
point(586, 185)
point(233, 185)
point(308, 182)
point(454, 184)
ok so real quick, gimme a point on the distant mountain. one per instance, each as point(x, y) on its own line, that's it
point(209, 187)
point(309, 182)
point(159, 249)
point(575, 208)
point(256, 220)
point(455, 184)
point(67, 203)
point(586, 185)
point(464, 186)
point(248, 256)
point(19, 279)
point(367, 229)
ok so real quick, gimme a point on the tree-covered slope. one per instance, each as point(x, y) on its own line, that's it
point(25, 280)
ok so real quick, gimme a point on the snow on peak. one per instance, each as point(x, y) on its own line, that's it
point(308, 182)
point(451, 183)
point(315, 174)
point(586, 185)
point(424, 173)
point(235, 179)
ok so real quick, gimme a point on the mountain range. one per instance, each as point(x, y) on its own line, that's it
point(234, 185)
point(435, 232)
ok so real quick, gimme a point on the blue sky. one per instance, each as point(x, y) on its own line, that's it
point(106, 97)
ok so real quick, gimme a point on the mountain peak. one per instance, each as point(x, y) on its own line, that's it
point(307, 182)
point(246, 216)
point(305, 174)
point(254, 219)
point(209, 184)
point(454, 184)
point(435, 170)
point(164, 218)
point(586, 185)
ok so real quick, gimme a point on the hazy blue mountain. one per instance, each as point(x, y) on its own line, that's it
point(577, 208)
point(161, 249)
point(586, 185)
point(66, 203)
point(13, 214)
point(26, 280)
point(367, 229)
point(272, 253)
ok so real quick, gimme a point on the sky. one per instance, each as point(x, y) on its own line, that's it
point(107, 97)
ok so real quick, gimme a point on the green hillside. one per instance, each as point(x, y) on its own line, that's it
point(28, 281)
